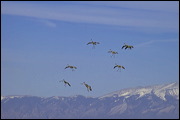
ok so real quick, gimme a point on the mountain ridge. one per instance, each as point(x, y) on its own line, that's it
point(139, 103)
point(145, 90)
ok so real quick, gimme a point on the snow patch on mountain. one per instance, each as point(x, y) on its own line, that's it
point(169, 89)
point(11, 97)
point(121, 108)
point(159, 90)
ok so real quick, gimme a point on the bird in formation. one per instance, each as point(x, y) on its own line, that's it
point(93, 43)
point(112, 52)
point(127, 46)
point(119, 67)
point(71, 67)
point(87, 86)
point(65, 83)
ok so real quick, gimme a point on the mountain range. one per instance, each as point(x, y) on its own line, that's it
point(149, 102)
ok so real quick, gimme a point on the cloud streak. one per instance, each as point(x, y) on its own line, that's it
point(47, 23)
point(155, 41)
point(157, 6)
point(106, 14)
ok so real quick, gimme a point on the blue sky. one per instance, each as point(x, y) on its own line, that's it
point(40, 38)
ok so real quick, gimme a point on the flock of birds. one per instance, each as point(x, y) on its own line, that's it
point(125, 46)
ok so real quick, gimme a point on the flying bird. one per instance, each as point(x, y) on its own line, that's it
point(119, 67)
point(71, 67)
point(87, 86)
point(112, 52)
point(65, 82)
point(93, 43)
point(127, 46)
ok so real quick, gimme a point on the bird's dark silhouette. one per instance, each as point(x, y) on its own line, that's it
point(93, 43)
point(127, 46)
point(87, 86)
point(65, 82)
point(112, 52)
point(71, 67)
point(119, 67)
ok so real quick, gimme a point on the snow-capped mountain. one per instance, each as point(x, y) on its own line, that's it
point(159, 90)
point(159, 101)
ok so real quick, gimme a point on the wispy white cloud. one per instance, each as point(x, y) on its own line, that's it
point(154, 41)
point(165, 6)
point(50, 24)
point(108, 13)
point(47, 23)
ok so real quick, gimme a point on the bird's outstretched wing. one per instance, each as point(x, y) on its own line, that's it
point(90, 88)
point(89, 43)
point(68, 84)
point(67, 66)
point(115, 66)
point(126, 47)
point(97, 43)
point(109, 51)
point(123, 47)
point(123, 67)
